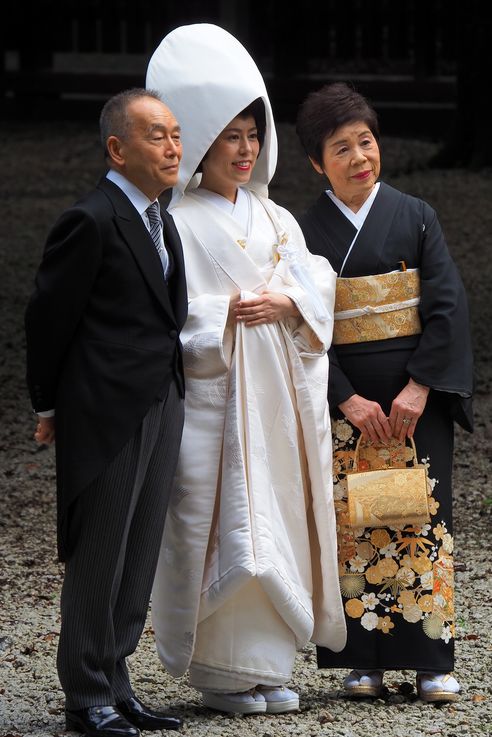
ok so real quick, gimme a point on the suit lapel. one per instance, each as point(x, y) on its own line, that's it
point(136, 236)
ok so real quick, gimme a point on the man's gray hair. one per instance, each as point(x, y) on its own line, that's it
point(114, 119)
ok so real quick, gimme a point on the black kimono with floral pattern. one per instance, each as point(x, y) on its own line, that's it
point(397, 585)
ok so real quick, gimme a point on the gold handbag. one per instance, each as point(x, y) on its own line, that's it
point(388, 497)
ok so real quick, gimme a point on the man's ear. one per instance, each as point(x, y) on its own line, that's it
point(115, 150)
point(316, 166)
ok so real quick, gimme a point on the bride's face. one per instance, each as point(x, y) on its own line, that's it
point(230, 159)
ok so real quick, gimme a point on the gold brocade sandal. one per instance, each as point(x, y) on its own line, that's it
point(364, 683)
point(437, 687)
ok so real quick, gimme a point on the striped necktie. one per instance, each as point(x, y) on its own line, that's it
point(154, 214)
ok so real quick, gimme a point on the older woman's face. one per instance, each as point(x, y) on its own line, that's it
point(351, 162)
point(230, 159)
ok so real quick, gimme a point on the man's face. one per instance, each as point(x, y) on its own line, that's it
point(151, 152)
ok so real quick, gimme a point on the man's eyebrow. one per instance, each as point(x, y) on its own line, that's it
point(161, 127)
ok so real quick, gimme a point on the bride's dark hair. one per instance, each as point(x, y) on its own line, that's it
point(257, 110)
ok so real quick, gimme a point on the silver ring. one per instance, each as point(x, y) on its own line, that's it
point(406, 420)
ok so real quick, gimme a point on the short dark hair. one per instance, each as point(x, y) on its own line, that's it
point(114, 119)
point(327, 109)
point(257, 110)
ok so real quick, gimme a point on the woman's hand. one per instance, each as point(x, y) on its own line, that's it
point(406, 409)
point(267, 308)
point(45, 430)
point(367, 417)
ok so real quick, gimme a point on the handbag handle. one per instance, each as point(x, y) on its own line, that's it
point(357, 450)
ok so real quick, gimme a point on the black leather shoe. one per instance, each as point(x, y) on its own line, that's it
point(144, 718)
point(100, 721)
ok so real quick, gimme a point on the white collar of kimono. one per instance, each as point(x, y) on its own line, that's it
point(356, 218)
point(206, 77)
point(240, 210)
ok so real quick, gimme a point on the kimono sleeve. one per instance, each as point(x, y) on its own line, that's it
point(206, 338)
point(339, 387)
point(312, 333)
point(443, 358)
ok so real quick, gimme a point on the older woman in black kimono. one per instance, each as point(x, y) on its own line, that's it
point(401, 369)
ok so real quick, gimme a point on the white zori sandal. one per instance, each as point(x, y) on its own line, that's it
point(437, 687)
point(279, 699)
point(242, 702)
point(364, 683)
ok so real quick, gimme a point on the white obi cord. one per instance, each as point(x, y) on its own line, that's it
point(370, 310)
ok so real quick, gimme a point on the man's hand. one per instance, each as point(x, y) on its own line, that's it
point(269, 307)
point(45, 430)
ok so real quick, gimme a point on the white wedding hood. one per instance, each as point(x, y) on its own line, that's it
point(206, 77)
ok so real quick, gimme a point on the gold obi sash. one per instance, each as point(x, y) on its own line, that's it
point(377, 307)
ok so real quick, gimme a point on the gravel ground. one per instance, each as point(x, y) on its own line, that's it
point(44, 168)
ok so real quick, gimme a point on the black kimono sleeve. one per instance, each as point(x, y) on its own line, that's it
point(443, 358)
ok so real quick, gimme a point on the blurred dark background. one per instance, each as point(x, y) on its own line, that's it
point(425, 64)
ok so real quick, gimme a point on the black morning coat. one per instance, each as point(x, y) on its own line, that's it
point(102, 330)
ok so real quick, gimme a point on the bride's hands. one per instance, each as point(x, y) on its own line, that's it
point(267, 308)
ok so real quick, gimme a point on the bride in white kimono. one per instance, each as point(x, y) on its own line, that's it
point(248, 570)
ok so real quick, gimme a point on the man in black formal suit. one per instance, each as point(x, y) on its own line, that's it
point(104, 367)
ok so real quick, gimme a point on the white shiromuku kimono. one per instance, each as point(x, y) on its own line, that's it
point(248, 567)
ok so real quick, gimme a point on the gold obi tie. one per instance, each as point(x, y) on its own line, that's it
point(377, 307)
